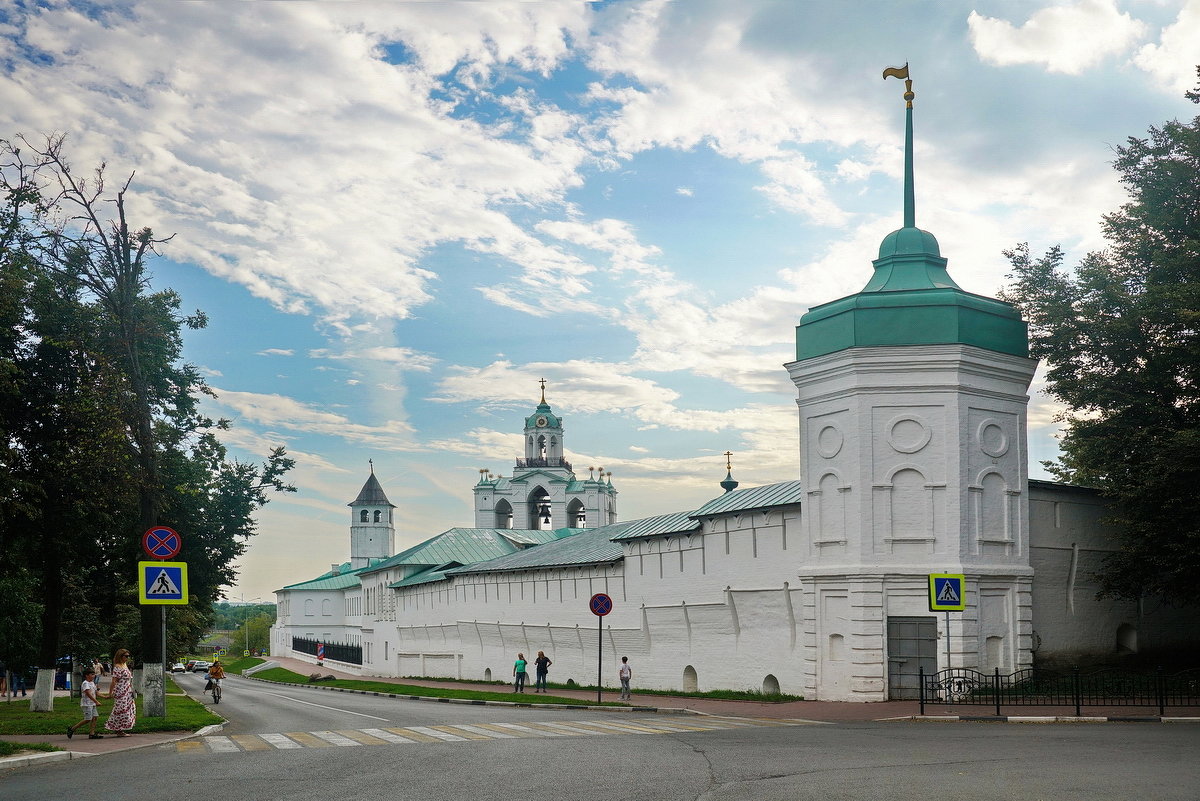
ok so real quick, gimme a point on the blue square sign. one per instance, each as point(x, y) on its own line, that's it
point(947, 592)
point(162, 582)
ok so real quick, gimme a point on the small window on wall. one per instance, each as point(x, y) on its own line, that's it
point(770, 685)
point(362, 516)
point(377, 515)
point(1126, 639)
point(326, 607)
point(308, 607)
point(691, 681)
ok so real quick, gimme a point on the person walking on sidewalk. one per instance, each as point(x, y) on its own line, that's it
point(124, 711)
point(89, 703)
point(542, 666)
point(625, 674)
point(520, 674)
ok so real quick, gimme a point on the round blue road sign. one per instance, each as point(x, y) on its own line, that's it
point(600, 604)
point(161, 542)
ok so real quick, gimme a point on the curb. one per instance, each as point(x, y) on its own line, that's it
point(1048, 719)
point(8, 763)
point(480, 702)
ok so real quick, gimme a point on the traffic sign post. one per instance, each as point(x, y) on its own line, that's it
point(947, 593)
point(600, 605)
point(161, 542)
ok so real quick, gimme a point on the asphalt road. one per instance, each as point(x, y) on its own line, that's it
point(536, 755)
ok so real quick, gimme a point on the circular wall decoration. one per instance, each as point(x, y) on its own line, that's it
point(908, 435)
point(992, 439)
point(829, 442)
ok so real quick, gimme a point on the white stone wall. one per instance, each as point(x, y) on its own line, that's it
point(1071, 625)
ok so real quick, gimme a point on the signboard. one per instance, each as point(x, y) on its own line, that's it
point(320, 651)
point(161, 542)
point(600, 604)
point(162, 583)
point(947, 592)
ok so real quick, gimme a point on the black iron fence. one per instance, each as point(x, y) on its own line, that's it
point(1033, 687)
point(338, 652)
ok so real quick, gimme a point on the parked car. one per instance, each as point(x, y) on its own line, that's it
point(178, 668)
point(200, 665)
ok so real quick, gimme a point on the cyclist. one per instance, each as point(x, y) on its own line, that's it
point(216, 672)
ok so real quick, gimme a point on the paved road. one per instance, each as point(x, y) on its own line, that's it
point(442, 751)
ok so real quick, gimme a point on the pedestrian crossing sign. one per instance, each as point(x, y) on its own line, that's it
point(162, 582)
point(946, 592)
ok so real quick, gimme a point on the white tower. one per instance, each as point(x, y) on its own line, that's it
point(912, 398)
point(542, 492)
point(372, 527)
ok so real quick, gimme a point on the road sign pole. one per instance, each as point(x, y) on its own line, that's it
point(599, 656)
point(947, 640)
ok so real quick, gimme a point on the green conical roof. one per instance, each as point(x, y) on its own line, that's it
point(911, 298)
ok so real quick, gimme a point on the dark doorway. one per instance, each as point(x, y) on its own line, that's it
point(912, 645)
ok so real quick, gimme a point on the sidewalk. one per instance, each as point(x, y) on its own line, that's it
point(820, 711)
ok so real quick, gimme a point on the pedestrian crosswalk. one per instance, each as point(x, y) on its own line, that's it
point(461, 733)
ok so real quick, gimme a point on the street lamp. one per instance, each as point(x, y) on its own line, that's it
point(246, 622)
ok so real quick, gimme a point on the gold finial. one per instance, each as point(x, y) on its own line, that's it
point(902, 72)
point(728, 460)
point(542, 381)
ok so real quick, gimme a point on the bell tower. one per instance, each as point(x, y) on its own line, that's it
point(543, 492)
point(372, 524)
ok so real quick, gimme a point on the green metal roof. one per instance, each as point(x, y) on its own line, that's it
point(911, 298)
point(676, 523)
point(464, 546)
point(786, 493)
point(345, 579)
point(424, 577)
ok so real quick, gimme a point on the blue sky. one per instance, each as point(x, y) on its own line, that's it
point(399, 216)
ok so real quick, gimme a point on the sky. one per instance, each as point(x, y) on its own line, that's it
point(400, 216)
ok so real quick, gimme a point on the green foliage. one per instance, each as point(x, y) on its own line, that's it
point(183, 714)
point(1121, 338)
point(231, 616)
point(100, 431)
point(8, 749)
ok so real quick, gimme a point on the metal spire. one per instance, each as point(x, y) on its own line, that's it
point(910, 212)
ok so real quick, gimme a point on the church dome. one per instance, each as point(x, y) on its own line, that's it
point(909, 241)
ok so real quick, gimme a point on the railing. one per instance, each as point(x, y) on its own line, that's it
point(556, 461)
point(338, 652)
point(1033, 687)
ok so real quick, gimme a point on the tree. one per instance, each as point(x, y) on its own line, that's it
point(100, 432)
point(1121, 338)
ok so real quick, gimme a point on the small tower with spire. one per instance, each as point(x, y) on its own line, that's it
point(372, 523)
point(912, 397)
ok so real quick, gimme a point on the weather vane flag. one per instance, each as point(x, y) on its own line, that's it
point(910, 211)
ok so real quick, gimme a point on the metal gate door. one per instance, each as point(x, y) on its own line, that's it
point(912, 645)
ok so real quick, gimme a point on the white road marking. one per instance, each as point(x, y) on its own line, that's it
point(441, 735)
point(389, 736)
point(222, 744)
point(279, 741)
point(334, 738)
point(322, 706)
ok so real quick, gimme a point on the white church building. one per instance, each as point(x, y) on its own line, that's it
point(912, 399)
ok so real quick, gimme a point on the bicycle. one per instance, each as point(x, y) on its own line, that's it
point(216, 691)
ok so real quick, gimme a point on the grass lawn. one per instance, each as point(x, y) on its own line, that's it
point(386, 688)
point(183, 714)
point(8, 749)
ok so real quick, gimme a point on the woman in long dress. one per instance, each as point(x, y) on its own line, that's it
point(124, 711)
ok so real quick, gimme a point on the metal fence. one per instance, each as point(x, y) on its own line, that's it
point(338, 652)
point(1033, 687)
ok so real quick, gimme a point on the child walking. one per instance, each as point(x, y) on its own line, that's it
point(88, 703)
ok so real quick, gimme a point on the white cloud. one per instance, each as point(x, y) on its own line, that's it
point(406, 358)
point(686, 191)
point(288, 414)
point(276, 352)
point(1066, 38)
point(1173, 60)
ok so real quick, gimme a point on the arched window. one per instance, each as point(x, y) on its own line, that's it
point(576, 514)
point(770, 685)
point(308, 607)
point(541, 442)
point(504, 515)
point(691, 682)
point(362, 516)
point(377, 515)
